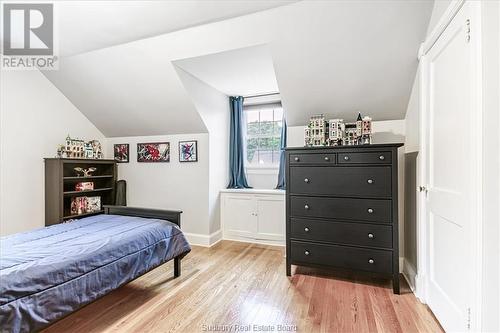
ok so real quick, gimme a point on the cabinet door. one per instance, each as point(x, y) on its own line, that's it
point(240, 219)
point(270, 217)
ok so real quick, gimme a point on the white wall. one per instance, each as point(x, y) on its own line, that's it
point(213, 107)
point(172, 185)
point(34, 118)
point(262, 178)
point(412, 120)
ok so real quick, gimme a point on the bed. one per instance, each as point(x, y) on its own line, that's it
point(47, 273)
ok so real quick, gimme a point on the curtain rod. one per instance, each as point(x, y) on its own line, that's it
point(262, 95)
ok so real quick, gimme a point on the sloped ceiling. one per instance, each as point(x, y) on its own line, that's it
point(241, 72)
point(333, 57)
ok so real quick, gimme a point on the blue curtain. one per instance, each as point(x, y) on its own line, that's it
point(281, 175)
point(237, 177)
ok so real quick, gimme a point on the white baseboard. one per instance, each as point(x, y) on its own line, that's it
point(255, 241)
point(204, 240)
point(419, 291)
point(410, 274)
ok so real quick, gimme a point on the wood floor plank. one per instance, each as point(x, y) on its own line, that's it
point(242, 284)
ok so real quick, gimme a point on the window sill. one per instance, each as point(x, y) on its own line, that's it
point(263, 170)
point(253, 191)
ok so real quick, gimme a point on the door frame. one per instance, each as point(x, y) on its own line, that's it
point(421, 278)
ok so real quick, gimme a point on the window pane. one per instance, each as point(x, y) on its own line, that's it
point(263, 136)
point(252, 146)
point(266, 115)
point(278, 114)
point(252, 119)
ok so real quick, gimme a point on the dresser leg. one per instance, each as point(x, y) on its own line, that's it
point(395, 284)
point(288, 269)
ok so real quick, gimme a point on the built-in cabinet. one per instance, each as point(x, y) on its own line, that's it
point(253, 216)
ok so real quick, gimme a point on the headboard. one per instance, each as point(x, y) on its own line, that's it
point(173, 216)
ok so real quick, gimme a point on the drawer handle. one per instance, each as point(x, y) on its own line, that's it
point(371, 261)
point(306, 252)
point(306, 180)
point(306, 229)
point(327, 158)
point(370, 181)
point(346, 158)
point(306, 206)
point(381, 157)
point(370, 235)
point(296, 159)
point(370, 211)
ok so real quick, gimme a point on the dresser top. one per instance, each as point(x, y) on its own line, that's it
point(374, 146)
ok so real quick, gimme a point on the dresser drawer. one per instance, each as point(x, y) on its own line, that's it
point(341, 181)
point(379, 261)
point(365, 158)
point(298, 159)
point(369, 210)
point(357, 234)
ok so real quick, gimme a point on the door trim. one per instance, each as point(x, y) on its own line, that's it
point(476, 127)
point(440, 27)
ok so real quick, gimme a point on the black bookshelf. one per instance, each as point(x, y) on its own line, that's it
point(60, 182)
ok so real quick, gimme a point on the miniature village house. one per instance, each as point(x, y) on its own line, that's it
point(335, 132)
point(77, 148)
point(316, 131)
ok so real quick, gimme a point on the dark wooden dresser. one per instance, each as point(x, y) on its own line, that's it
point(342, 208)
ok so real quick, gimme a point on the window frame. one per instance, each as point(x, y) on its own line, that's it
point(269, 168)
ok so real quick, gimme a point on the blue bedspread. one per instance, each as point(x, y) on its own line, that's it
point(47, 273)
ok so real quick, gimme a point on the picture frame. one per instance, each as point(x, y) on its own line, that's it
point(121, 152)
point(188, 151)
point(153, 152)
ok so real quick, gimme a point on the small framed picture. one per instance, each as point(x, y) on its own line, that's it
point(121, 152)
point(188, 151)
point(153, 152)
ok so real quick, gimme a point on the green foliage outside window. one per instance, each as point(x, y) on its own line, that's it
point(263, 138)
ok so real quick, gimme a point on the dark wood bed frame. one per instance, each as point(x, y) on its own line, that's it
point(173, 216)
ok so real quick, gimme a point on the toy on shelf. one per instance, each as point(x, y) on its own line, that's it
point(337, 133)
point(76, 148)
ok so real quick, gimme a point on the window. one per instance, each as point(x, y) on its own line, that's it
point(263, 130)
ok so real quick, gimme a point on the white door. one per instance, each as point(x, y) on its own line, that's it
point(270, 218)
point(451, 169)
point(240, 219)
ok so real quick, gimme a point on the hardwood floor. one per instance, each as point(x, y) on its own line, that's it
point(242, 284)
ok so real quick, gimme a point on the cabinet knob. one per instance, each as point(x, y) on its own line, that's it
point(306, 229)
point(306, 252)
point(327, 158)
point(296, 159)
point(381, 157)
point(306, 206)
point(306, 180)
point(346, 158)
point(371, 261)
point(370, 211)
point(370, 181)
point(370, 235)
